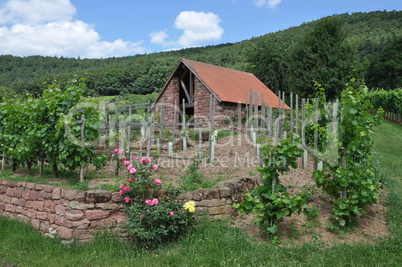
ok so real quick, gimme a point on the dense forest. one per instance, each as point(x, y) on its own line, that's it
point(329, 50)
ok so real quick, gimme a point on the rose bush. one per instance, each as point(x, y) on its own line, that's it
point(155, 216)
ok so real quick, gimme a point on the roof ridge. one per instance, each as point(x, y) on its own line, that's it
point(216, 66)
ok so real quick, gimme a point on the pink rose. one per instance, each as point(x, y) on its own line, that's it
point(145, 161)
point(126, 162)
point(154, 166)
point(131, 180)
point(157, 182)
point(171, 213)
point(133, 170)
point(136, 158)
point(121, 186)
point(129, 166)
point(155, 201)
point(126, 189)
point(127, 200)
point(121, 192)
point(118, 151)
point(152, 202)
point(124, 158)
point(142, 216)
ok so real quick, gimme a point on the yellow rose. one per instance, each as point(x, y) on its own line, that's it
point(190, 206)
point(191, 209)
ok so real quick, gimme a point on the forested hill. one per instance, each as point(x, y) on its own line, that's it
point(278, 59)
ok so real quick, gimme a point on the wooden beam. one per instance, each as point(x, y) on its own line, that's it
point(191, 86)
point(186, 92)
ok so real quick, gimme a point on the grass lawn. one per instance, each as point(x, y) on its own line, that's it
point(215, 243)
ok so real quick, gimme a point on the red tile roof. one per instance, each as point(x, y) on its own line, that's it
point(231, 85)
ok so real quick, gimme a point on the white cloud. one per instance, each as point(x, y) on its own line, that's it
point(36, 11)
point(47, 27)
point(198, 27)
point(270, 3)
point(159, 37)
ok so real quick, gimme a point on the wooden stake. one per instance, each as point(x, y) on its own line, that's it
point(81, 172)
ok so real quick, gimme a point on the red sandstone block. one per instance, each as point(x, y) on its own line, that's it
point(35, 223)
point(33, 195)
point(56, 193)
point(108, 206)
point(76, 205)
point(65, 202)
point(22, 218)
point(81, 224)
point(62, 221)
point(2, 206)
point(30, 212)
point(96, 214)
point(74, 215)
point(21, 202)
point(11, 183)
point(49, 206)
point(39, 187)
point(44, 195)
point(3, 189)
point(212, 203)
point(29, 204)
point(42, 215)
point(10, 191)
point(21, 184)
point(119, 216)
point(44, 226)
point(100, 196)
point(25, 194)
point(103, 223)
point(68, 194)
point(83, 235)
point(19, 209)
point(10, 208)
point(64, 232)
point(30, 185)
point(51, 217)
point(18, 192)
point(116, 197)
point(10, 215)
point(60, 210)
point(48, 188)
point(14, 200)
point(38, 205)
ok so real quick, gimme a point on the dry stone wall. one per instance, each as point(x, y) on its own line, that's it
point(69, 214)
point(218, 201)
point(73, 214)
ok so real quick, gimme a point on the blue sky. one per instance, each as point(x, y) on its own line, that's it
point(101, 28)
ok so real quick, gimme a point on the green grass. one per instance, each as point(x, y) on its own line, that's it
point(215, 243)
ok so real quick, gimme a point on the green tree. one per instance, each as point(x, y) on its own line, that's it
point(386, 66)
point(323, 54)
point(268, 62)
